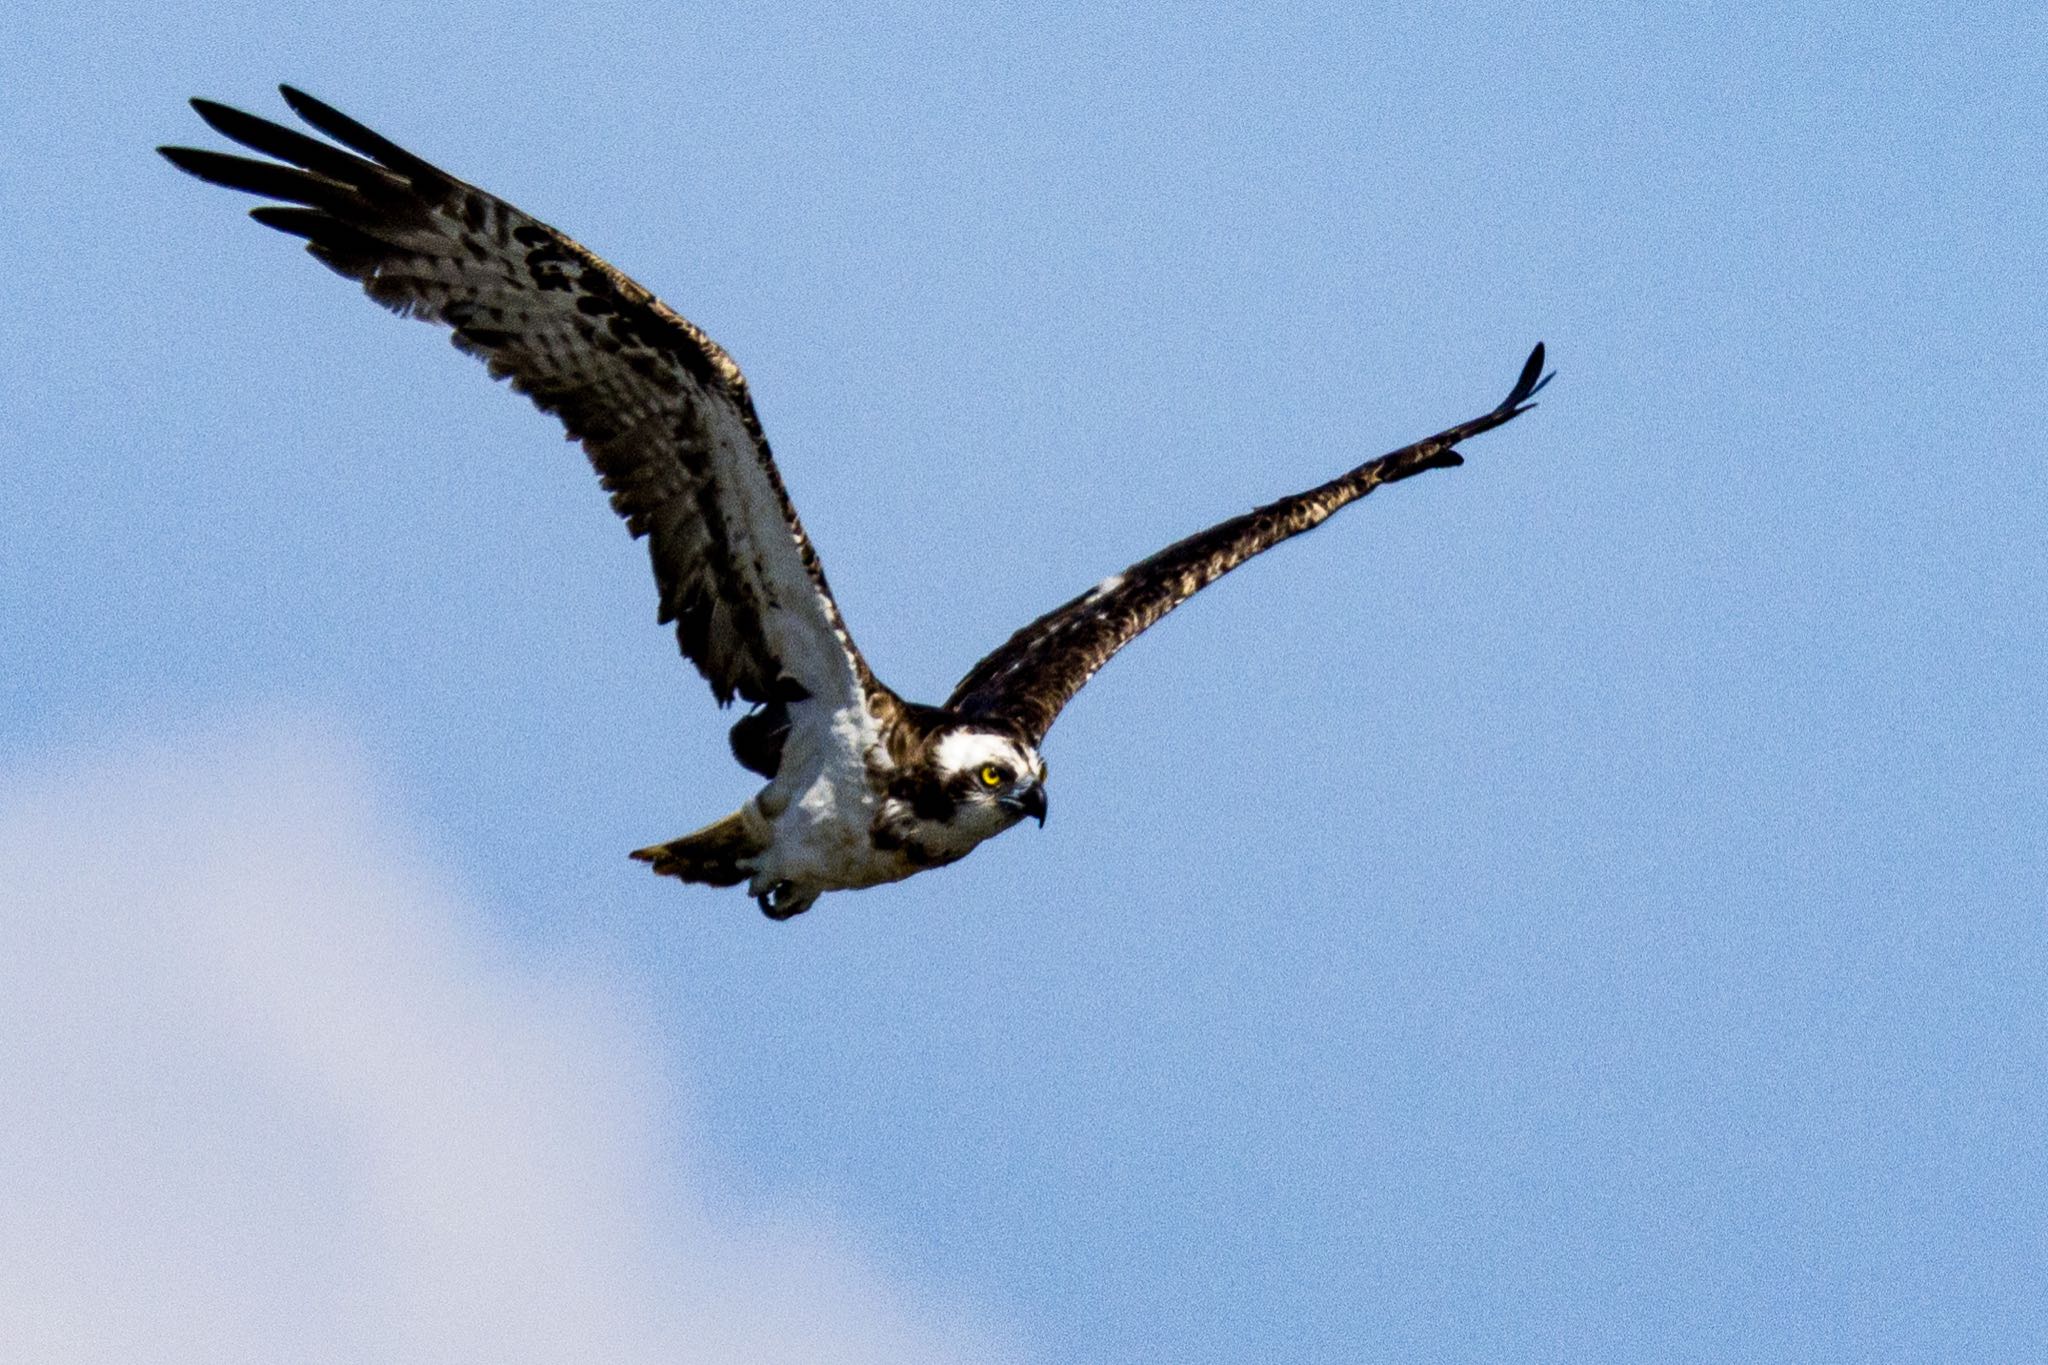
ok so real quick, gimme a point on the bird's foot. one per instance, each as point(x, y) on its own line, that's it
point(782, 900)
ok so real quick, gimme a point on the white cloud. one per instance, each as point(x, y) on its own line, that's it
point(268, 1093)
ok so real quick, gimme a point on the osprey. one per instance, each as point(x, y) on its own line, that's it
point(863, 787)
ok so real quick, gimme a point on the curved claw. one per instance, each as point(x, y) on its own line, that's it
point(781, 901)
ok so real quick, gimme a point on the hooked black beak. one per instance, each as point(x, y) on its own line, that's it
point(1033, 803)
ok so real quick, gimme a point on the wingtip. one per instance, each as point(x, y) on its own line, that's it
point(357, 137)
point(184, 158)
point(217, 116)
point(313, 110)
point(303, 104)
point(1537, 356)
point(1530, 382)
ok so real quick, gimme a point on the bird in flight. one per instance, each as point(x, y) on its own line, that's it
point(863, 787)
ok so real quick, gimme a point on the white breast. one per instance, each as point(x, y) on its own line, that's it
point(822, 805)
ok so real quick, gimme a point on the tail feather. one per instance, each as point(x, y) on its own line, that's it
point(712, 856)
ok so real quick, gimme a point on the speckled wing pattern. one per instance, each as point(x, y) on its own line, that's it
point(662, 411)
point(1033, 675)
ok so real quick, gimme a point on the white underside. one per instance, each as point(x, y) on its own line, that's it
point(818, 811)
point(819, 815)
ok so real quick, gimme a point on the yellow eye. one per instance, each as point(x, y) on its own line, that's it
point(991, 775)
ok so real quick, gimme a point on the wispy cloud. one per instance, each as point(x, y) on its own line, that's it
point(270, 1093)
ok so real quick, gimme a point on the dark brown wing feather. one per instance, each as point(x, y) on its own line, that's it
point(661, 409)
point(1037, 671)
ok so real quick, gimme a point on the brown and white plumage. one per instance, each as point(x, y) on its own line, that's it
point(662, 410)
point(1036, 672)
point(863, 787)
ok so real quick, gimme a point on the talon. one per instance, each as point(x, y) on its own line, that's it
point(775, 901)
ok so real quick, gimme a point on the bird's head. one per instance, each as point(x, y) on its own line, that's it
point(987, 779)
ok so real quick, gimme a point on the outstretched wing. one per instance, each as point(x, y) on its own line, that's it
point(1038, 670)
point(662, 411)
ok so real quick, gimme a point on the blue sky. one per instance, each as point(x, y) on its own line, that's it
point(1592, 904)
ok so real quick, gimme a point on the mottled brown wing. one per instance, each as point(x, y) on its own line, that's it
point(1038, 670)
point(661, 409)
